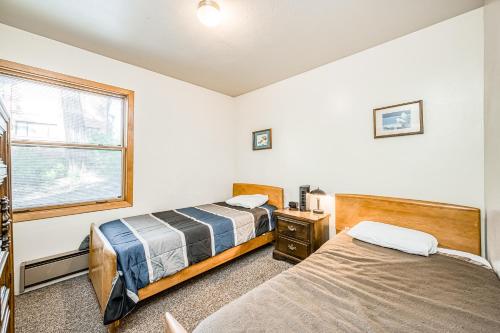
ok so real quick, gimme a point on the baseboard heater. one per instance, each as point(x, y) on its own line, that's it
point(39, 271)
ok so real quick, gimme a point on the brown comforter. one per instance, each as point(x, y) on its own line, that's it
point(352, 286)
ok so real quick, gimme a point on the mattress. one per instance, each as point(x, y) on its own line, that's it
point(352, 286)
point(153, 246)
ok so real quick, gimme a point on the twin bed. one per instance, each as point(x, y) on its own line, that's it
point(134, 258)
point(349, 285)
point(352, 286)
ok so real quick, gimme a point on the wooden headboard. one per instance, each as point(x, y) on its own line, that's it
point(455, 227)
point(275, 193)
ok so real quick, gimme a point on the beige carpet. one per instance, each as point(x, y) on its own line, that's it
point(71, 306)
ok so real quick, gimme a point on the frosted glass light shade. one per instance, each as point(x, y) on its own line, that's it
point(209, 13)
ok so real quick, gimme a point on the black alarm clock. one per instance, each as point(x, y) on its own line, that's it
point(293, 205)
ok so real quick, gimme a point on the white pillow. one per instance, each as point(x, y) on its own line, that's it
point(248, 201)
point(466, 255)
point(393, 237)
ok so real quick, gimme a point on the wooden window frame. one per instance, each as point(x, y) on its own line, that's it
point(42, 75)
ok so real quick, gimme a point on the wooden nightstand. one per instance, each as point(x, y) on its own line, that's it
point(298, 234)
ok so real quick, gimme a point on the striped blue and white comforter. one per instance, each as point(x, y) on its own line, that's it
point(153, 246)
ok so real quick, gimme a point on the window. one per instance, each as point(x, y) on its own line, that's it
point(71, 143)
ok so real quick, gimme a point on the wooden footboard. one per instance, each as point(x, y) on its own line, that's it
point(102, 266)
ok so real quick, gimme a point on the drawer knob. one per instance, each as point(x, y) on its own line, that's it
point(291, 228)
point(292, 247)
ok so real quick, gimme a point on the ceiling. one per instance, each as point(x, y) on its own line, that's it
point(258, 42)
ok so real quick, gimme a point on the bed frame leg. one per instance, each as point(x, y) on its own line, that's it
point(113, 327)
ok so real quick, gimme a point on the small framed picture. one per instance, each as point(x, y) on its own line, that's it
point(397, 120)
point(262, 139)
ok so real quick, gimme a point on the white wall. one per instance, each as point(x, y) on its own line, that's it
point(321, 120)
point(323, 127)
point(184, 154)
point(492, 129)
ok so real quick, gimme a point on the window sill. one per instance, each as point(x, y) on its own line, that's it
point(64, 211)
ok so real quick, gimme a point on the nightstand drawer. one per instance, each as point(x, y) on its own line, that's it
point(293, 228)
point(292, 247)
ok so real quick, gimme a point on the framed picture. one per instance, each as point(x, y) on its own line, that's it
point(262, 139)
point(400, 119)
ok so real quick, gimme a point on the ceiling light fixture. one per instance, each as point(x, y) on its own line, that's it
point(209, 13)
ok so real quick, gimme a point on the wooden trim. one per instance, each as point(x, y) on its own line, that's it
point(455, 227)
point(38, 74)
point(275, 194)
point(42, 75)
point(128, 169)
point(421, 111)
point(41, 213)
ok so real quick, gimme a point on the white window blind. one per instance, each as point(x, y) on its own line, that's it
point(67, 143)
